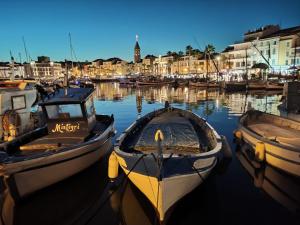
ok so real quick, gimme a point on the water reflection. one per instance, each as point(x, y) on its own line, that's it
point(193, 98)
point(282, 187)
point(225, 198)
point(87, 198)
point(72, 201)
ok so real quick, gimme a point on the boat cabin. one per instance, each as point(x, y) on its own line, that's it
point(70, 117)
point(70, 112)
point(16, 100)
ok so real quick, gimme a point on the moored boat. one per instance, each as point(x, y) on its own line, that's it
point(234, 86)
point(166, 154)
point(274, 86)
point(256, 85)
point(204, 84)
point(127, 82)
point(74, 138)
point(154, 83)
point(17, 98)
point(276, 140)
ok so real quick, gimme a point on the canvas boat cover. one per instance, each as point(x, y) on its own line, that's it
point(178, 132)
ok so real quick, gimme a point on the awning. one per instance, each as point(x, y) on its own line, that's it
point(262, 66)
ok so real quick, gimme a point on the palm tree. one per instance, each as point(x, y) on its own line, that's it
point(196, 52)
point(188, 50)
point(209, 49)
point(180, 53)
point(169, 53)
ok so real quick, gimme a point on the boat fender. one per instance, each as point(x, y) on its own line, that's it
point(113, 166)
point(238, 134)
point(260, 151)
point(226, 149)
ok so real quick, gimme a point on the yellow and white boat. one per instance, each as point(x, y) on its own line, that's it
point(166, 154)
point(275, 139)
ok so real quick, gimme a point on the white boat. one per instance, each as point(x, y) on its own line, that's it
point(16, 100)
point(74, 138)
point(185, 153)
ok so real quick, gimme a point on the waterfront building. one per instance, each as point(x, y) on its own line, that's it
point(110, 67)
point(196, 65)
point(43, 68)
point(120, 68)
point(148, 64)
point(275, 47)
point(162, 65)
point(6, 70)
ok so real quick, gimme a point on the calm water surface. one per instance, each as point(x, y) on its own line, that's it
point(236, 193)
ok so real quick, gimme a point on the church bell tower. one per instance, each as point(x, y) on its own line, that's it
point(137, 50)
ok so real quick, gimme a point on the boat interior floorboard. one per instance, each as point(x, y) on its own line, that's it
point(283, 135)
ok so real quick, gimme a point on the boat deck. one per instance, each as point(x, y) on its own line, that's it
point(282, 135)
point(52, 142)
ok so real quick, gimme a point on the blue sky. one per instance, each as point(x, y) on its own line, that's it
point(103, 29)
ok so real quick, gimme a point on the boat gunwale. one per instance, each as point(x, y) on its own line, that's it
point(213, 152)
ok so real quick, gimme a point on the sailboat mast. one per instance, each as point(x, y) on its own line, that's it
point(12, 75)
point(246, 65)
point(25, 48)
point(71, 49)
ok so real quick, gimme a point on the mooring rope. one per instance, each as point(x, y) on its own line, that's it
point(110, 195)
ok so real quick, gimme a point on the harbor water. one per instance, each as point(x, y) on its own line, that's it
point(235, 193)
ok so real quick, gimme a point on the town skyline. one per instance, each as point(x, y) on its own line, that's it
point(100, 32)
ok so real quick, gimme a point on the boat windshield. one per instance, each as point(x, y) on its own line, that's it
point(64, 111)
